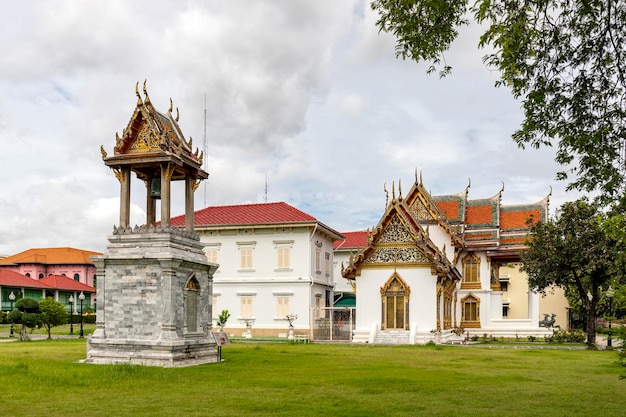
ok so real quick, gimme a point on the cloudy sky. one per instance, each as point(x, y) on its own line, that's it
point(306, 94)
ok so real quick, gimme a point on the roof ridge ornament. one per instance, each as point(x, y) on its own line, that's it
point(171, 106)
point(139, 101)
point(145, 92)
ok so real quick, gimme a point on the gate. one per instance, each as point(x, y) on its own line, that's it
point(333, 323)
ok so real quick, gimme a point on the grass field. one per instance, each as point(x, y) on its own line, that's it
point(44, 378)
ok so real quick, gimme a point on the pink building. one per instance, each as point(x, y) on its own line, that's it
point(42, 262)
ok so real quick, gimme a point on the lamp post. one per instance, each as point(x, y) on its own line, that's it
point(81, 297)
point(610, 293)
point(71, 301)
point(11, 299)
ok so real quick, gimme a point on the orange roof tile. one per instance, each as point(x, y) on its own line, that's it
point(479, 215)
point(449, 208)
point(51, 256)
point(517, 219)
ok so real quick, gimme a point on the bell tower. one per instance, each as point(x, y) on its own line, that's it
point(154, 284)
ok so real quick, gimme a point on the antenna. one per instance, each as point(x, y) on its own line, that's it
point(266, 187)
point(206, 152)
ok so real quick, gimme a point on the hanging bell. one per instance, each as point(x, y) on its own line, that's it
point(155, 188)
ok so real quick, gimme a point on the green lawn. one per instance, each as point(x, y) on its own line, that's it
point(43, 378)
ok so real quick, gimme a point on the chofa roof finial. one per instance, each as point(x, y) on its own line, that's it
point(139, 102)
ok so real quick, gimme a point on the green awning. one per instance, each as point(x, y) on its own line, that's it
point(347, 299)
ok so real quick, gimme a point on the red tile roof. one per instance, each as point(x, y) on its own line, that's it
point(14, 279)
point(479, 215)
point(353, 240)
point(49, 256)
point(246, 214)
point(518, 219)
point(60, 282)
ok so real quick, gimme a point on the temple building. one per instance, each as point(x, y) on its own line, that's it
point(436, 266)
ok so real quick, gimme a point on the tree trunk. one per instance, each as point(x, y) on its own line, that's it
point(23, 334)
point(591, 330)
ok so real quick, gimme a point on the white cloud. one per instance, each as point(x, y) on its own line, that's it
point(306, 93)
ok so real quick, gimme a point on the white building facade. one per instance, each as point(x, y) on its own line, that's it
point(274, 260)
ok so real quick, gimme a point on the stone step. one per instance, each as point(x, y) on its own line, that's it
point(392, 337)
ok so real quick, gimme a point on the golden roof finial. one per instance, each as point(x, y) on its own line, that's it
point(139, 102)
point(421, 182)
point(400, 189)
point(103, 152)
point(393, 191)
point(177, 115)
point(145, 91)
point(171, 106)
point(386, 194)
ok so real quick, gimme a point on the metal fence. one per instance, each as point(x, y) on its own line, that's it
point(333, 323)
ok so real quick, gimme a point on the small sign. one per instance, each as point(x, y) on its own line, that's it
point(221, 338)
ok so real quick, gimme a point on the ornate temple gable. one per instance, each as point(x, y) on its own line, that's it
point(399, 240)
point(424, 210)
point(150, 131)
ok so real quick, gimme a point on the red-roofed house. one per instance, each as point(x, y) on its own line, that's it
point(40, 262)
point(56, 286)
point(274, 260)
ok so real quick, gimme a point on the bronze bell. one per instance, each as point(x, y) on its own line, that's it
point(155, 188)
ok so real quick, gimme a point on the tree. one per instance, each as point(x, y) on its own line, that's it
point(222, 319)
point(565, 60)
point(52, 313)
point(575, 253)
point(26, 314)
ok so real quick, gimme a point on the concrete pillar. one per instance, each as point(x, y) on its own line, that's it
point(166, 187)
point(168, 276)
point(189, 190)
point(533, 306)
point(100, 297)
point(124, 179)
point(150, 205)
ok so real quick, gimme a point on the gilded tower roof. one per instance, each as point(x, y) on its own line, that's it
point(152, 137)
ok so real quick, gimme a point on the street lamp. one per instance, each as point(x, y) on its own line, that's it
point(71, 301)
point(610, 293)
point(81, 297)
point(11, 299)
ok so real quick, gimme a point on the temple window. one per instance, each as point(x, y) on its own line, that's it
point(470, 317)
point(471, 272)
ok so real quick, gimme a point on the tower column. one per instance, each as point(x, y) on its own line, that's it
point(124, 178)
point(189, 191)
point(150, 205)
point(166, 187)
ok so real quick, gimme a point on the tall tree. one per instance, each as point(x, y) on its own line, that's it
point(575, 253)
point(564, 59)
point(52, 313)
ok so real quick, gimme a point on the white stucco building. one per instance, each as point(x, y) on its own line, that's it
point(273, 260)
point(432, 266)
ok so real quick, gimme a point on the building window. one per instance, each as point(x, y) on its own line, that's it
point(282, 306)
point(327, 264)
point(211, 251)
point(76, 277)
point(319, 306)
point(471, 275)
point(214, 311)
point(505, 311)
point(318, 257)
point(246, 307)
point(40, 276)
point(470, 312)
point(504, 286)
point(28, 274)
point(246, 250)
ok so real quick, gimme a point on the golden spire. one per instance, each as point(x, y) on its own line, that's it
point(145, 92)
point(177, 115)
point(139, 102)
point(171, 106)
